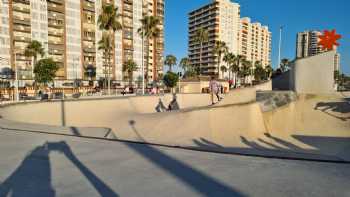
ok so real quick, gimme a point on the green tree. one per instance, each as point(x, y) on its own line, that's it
point(185, 64)
point(105, 44)
point(189, 70)
point(45, 71)
point(244, 70)
point(285, 64)
point(33, 49)
point(268, 71)
point(259, 71)
point(149, 30)
point(229, 59)
point(108, 21)
point(170, 79)
point(223, 70)
point(201, 36)
point(170, 60)
point(219, 49)
point(130, 67)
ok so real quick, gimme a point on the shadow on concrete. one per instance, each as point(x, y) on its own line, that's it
point(330, 108)
point(75, 131)
point(324, 148)
point(198, 181)
point(33, 176)
point(160, 106)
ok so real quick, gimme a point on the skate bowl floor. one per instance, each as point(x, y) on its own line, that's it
point(315, 127)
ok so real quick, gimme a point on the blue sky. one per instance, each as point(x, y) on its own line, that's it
point(314, 14)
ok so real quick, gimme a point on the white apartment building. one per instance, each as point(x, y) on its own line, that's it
point(307, 45)
point(221, 19)
point(69, 33)
point(254, 42)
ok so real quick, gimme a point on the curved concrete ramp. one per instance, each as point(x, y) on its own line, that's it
point(312, 127)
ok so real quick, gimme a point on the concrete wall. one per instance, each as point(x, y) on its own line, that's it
point(311, 75)
point(314, 74)
point(197, 86)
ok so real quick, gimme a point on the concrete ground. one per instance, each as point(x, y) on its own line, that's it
point(34, 164)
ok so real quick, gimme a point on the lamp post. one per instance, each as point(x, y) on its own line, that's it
point(16, 79)
point(279, 47)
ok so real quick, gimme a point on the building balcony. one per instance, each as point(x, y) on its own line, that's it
point(22, 39)
point(89, 39)
point(89, 50)
point(21, 20)
point(55, 7)
point(21, 9)
point(89, 6)
point(20, 28)
point(27, 2)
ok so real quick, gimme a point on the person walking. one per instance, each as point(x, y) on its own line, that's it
point(214, 88)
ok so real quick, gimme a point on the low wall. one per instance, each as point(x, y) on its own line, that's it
point(313, 125)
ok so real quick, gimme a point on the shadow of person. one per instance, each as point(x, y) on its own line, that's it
point(96, 182)
point(174, 105)
point(33, 176)
point(193, 178)
point(160, 107)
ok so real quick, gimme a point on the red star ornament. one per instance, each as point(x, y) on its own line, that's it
point(329, 39)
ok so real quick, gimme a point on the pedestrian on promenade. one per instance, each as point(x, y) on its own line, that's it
point(214, 88)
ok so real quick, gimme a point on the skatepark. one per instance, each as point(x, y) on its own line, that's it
point(248, 121)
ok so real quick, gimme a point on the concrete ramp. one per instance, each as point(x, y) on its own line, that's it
point(308, 127)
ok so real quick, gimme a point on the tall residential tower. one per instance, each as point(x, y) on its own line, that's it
point(307, 45)
point(221, 19)
point(69, 33)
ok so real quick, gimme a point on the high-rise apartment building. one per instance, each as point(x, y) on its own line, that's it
point(221, 19)
point(69, 33)
point(254, 42)
point(307, 45)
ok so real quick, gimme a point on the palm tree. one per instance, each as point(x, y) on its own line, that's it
point(229, 59)
point(223, 69)
point(106, 46)
point(108, 21)
point(148, 30)
point(219, 49)
point(244, 70)
point(130, 67)
point(284, 64)
point(33, 49)
point(185, 63)
point(238, 64)
point(170, 61)
point(201, 36)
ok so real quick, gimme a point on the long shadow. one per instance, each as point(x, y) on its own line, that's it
point(102, 188)
point(322, 151)
point(33, 176)
point(337, 107)
point(200, 182)
point(75, 131)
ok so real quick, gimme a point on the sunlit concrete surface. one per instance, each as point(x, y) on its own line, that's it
point(311, 126)
point(34, 164)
